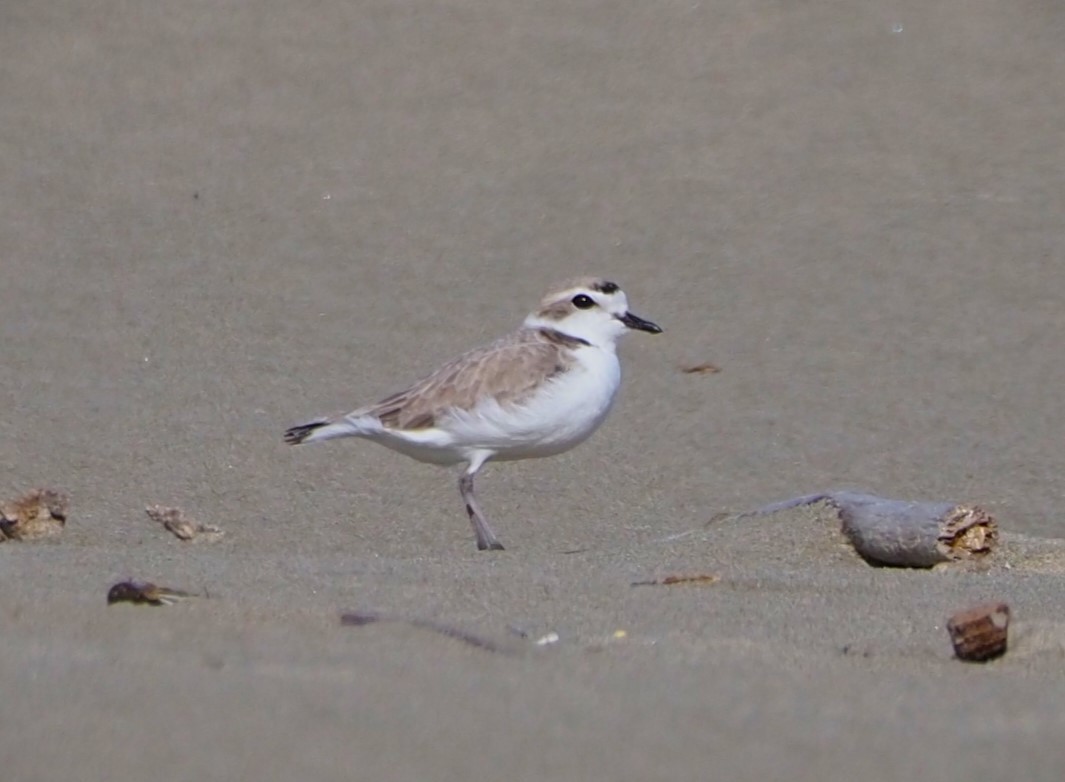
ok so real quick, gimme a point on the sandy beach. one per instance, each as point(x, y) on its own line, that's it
point(220, 219)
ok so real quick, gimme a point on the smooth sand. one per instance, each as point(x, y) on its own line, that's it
point(219, 218)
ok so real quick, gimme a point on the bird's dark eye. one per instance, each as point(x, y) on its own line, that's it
point(582, 302)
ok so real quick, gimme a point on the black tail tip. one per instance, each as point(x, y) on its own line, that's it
point(297, 434)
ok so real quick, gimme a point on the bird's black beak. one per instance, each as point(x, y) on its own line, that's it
point(636, 322)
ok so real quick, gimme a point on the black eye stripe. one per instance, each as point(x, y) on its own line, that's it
point(607, 287)
point(583, 302)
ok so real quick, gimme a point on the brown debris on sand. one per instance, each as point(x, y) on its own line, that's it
point(174, 520)
point(699, 578)
point(144, 593)
point(705, 368)
point(980, 633)
point(41, 513)
point(905, 533)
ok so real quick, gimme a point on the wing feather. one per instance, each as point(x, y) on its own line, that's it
point(508, 369)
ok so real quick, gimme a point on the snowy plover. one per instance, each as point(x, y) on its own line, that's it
point(538, 391)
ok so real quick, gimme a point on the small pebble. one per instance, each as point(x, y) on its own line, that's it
point(547, 640)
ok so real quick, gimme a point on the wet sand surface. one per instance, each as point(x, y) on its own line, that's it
point(221, 219)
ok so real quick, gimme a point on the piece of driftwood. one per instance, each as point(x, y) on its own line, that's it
point(903, 532)
point(41, 513)
point(981, 632)
point(144, 593)
point(182, 527)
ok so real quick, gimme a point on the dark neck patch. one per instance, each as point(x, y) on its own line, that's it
point(606, 287)
point(556, 337)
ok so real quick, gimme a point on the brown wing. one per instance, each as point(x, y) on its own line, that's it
point(508, 369)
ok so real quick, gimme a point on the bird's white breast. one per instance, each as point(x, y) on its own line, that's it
point(560, 414)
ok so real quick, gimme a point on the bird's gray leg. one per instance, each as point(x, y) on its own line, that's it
point(486, 539)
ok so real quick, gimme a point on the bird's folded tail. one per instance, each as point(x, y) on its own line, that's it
point(323, 429)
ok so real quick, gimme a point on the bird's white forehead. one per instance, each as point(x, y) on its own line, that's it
point(608, 295)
